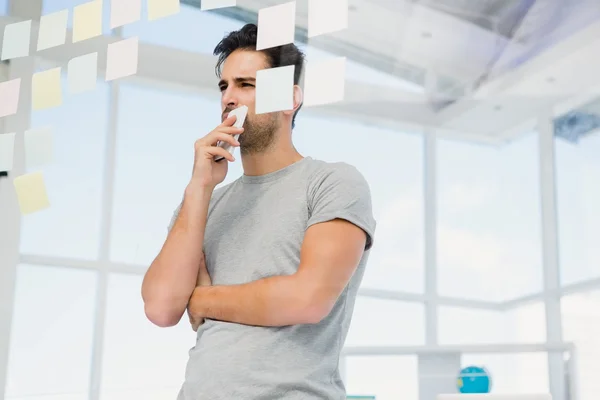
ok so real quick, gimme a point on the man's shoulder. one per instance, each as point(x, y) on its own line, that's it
point(320, 170)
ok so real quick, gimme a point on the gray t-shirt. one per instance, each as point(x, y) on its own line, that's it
point(255, 229)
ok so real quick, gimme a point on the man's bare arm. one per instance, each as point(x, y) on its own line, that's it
point(330, 253)
point(173, 275)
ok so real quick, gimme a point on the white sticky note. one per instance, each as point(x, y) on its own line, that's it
point(16, 40)
point(162, 8)
point(53, 30)
point(327, 16)
point(7, 151)
point(324, 82)
point(274, 89)
point(214, 4)
point(9, 97)
point(82, 73)
point(122, 59)
point(46, 89)
point(276, 25)
point(87, 21)
point(31, 192)
point(123, 12)
point(39, 147)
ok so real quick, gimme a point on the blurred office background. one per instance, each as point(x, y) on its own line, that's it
point(476, 124)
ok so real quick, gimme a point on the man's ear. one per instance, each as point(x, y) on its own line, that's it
point(298, 99)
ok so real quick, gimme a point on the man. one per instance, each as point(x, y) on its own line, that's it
point(268, 267)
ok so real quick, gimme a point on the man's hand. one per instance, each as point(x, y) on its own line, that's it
point(207, 172)
point(203, 280)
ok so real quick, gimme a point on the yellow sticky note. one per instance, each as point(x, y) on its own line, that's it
point(46, 90)
point(31, 192)
point(87, 21)
point(162, 8)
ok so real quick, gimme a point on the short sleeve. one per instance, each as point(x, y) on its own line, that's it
point(339, 191)
point(174, 217)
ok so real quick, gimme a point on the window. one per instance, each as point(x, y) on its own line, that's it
point(378, 322)
point(395, 174)
point(140, 361)
point(3, 7)
point(155, 153)
point(489, 242)
point(385, 377)
point(71, 226)
point(190, 30)
point(578, 196)
point(52, 333)
point(463, 326)
point(581, 325)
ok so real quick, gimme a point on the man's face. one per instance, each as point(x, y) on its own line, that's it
point(238, 88)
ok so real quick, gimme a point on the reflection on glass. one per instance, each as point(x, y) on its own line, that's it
point(52, 333)
point(140, 361)
point(581, 325)
point(489, 224)
point(378, 322)
point(578, 196)
point(74, 179)
point(385, 377)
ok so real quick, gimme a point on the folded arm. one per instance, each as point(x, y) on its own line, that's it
point(330, 253)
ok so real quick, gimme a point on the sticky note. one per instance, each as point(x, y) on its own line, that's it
point(46, 90)
point(31, 192)
point(327, 16)
point(87, 21)
point(162, 8)
point(82, 73)
point(274, 89)
point(324, 82)
point(276, 25)
point(122, 58)
point(39, 147)
point(53, 30)
point(16, 40)
point(7, 151)
point(123, 12)
point(213, 4)
point(9, 97)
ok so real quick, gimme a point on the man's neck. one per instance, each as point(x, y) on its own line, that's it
point(277, 157)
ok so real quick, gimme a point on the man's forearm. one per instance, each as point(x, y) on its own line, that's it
point(170, 280)
point(273, 301)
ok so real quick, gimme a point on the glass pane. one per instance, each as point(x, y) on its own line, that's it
point(378, 322)
point(489, 243)
point(155, 152)
point(140, 360)
point(71, 226)
point(191, 30)
point(3, 7)
point(51, 6)
point(525, 324)
point(581, 325)
point(385, 377)
point(578, 196)
point(52, 334)
point(395, 175)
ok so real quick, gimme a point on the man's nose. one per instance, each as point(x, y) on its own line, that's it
point(229, 99)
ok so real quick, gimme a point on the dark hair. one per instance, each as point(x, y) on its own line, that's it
point(245, 39)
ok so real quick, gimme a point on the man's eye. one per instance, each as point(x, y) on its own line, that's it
point(247, 85)
point(222, 88)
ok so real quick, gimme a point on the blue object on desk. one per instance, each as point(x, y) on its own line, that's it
point(474, 379)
